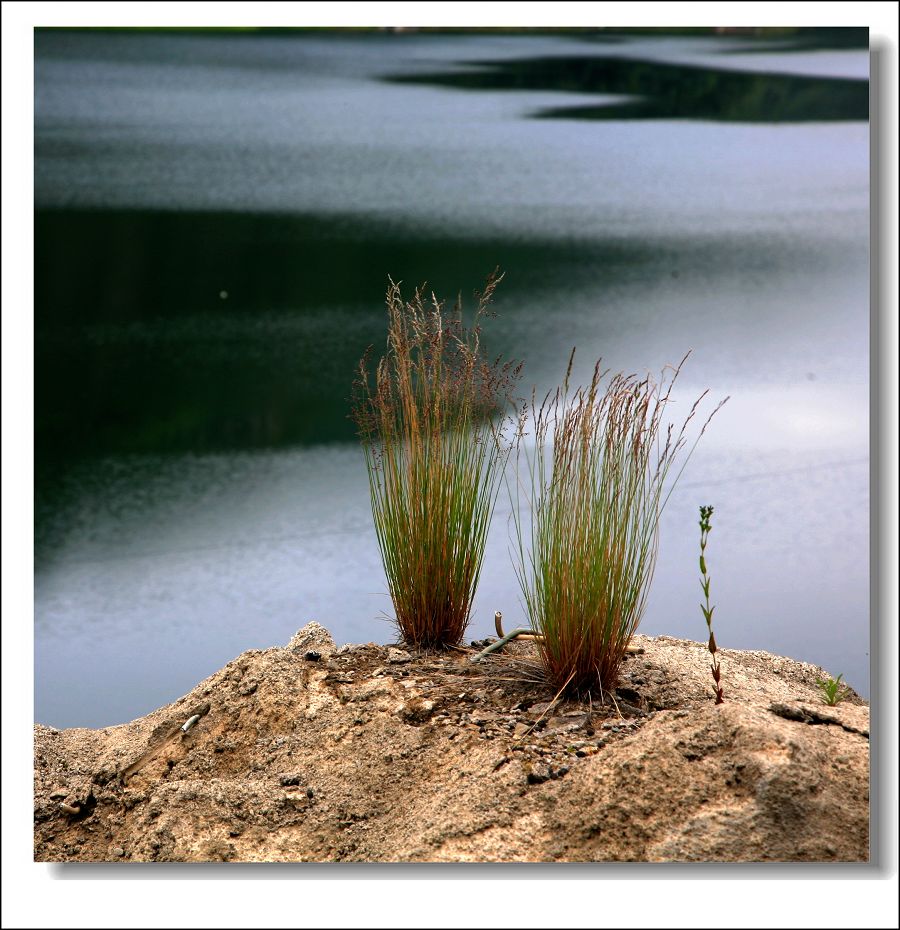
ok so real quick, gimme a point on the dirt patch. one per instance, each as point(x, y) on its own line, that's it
point(374, 753)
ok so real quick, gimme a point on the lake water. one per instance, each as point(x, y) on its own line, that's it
point(216, 218)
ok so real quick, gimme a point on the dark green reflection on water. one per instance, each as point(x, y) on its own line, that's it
point(667, 91)
point(807, 39)
point(167, 332)
point(160, 332)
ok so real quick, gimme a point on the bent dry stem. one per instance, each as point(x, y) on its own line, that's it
point(600, 477)
point(435, 453)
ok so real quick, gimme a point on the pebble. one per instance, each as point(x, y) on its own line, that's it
point(539, 774)
point(398, 656)
point(415, 711)
point(538, 709)
point(565, 724)
point(117, 852)
point(347, 648)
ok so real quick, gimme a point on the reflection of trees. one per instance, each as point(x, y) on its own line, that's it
point(136, 351)
point(668, 91)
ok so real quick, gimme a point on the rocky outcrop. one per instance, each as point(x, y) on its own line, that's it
point(374, 753)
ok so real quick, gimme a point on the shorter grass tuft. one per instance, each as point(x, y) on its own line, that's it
point(600, 476)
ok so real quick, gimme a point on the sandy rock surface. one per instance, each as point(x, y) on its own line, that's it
point(375, 753)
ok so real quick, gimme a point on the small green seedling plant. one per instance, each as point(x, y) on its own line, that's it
point(705, 526)
point(833, 692)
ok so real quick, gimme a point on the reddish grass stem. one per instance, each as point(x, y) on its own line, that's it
point(705, 526)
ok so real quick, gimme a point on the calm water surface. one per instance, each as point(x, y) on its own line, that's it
point(216, 219)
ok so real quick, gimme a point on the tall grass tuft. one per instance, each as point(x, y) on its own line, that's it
point(433, 424)
point(600, 476)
